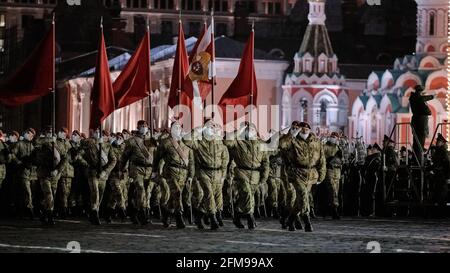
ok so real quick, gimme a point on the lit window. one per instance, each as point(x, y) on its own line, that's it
point(2, 20)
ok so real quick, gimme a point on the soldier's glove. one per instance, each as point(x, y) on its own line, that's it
point(154, 175)
point(131, 180)
point(54, 173)
point(318, 182)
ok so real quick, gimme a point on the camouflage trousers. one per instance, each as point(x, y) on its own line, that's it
point(63, 191)
point(2, 174)
point(30, 189)
point(274, 187)
point(286, 196)
point(226, 192)
point(119, 191)
point(211, 185)
point(332, 183)
point(176, 180)
point(164, 191)
point(246, 185)
point(261, 195)
point(49, 186)
point(143, 187)
point(97, 188)
point(302, 181)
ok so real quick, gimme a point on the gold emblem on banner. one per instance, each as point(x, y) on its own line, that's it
point(199, 69)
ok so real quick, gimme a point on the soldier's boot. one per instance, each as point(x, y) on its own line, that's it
point(50, 220)
point(237, 220)
point(213, 220)
point(251, 222)
point(307, 221)
point(62, 213)
point(219, 218)
point(108, 215)
point(283, 218)
point(206, 220)
point(122, 214)
point(335, 214)
point(165, 218)
point(30, 213)
point(187, 214)
point(148, 215)
point(198, 219)
point(227, 211)
point(142, 217)
point(275, 213)
point(95, 219)
point(179, 220)
point(297, 223)
point(43, 217)
point(156, 212)
point(290, 222)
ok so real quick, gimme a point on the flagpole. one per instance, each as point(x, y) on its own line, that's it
point(179, 68)
point(213, 59)
point(54, 78)
point(100, 130)
point(101, 33)
point(252, 87)
point(150, 101)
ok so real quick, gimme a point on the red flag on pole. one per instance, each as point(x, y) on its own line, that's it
point(134, 82)
point(34, 78)
point(102, 93)
point(244, 85)
point(179, 73)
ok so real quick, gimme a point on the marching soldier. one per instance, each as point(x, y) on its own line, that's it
point(67, 172)
point(77, 197)
point(274, 180)
point(12, 173)
point(50, 159)
point(98, 157)
point(117, 181)
point(4, 156)
point(211, 158)
point(333, 156)
point(23, 156)
point(252, 169)
point(139, 152)
point(178, 170)
point(441, 173)
point(306, 165)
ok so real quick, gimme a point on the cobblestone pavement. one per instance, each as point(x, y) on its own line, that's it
point(346, 235)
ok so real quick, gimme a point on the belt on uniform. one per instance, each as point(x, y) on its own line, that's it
point(302, 167)
point(210, 168)
point(178, 166)
point(249, 169)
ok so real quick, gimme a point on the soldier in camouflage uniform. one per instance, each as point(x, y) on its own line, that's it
point(4, 157)
point(306, 165)
point(117, 181)
point(333, 156)
point(23, 157)
point(178, 170)
point(51, 160)
point(252, 169)
point(274, 181)
point(139, 152)
point(12, 173)
point(67, 172)
point(79, 181)
point(211, 158)
point(98, 158)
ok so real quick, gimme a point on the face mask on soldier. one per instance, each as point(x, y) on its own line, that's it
point(176, 132)
point(13, 139)
point(295, 132)
point(61, 135)
point(334, 140)
point(27, 136)
point(208, 132)
point(112, 140)
point(76, 138)
point(143, 130)
point(119, 141)
point(48, 134)
point(251, 134)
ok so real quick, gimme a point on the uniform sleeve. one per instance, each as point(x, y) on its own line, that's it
point(225, 160)
point(157, 160)
point(265, 168)
point(191, 164)
point(427, 98)
point(112, 160)
point(321, 165)
point(126, 155)
point(14, 156)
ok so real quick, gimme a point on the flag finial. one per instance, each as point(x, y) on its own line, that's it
point(101, 22)
point(253, 25)
point(53, 18)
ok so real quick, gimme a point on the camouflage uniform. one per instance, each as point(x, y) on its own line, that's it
point(305, 166)
point(211, 158)
point(97, 162)
point(333, 156)
point(118, 180)
point(252, 169)
point(4, 158)
point(79, 181)
point(139, 152)
point(67, 173)
point(274, 181)
point(287, 192)
point(49, 158)
point(178, 167)
point(23, 156)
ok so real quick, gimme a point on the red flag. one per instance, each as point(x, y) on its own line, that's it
point(134, 82)
point(35, 78)
point(102, 93)
point(179, 73)
point(245, 82)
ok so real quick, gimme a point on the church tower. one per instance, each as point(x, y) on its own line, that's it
point(432, 19)
point(313, 91)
